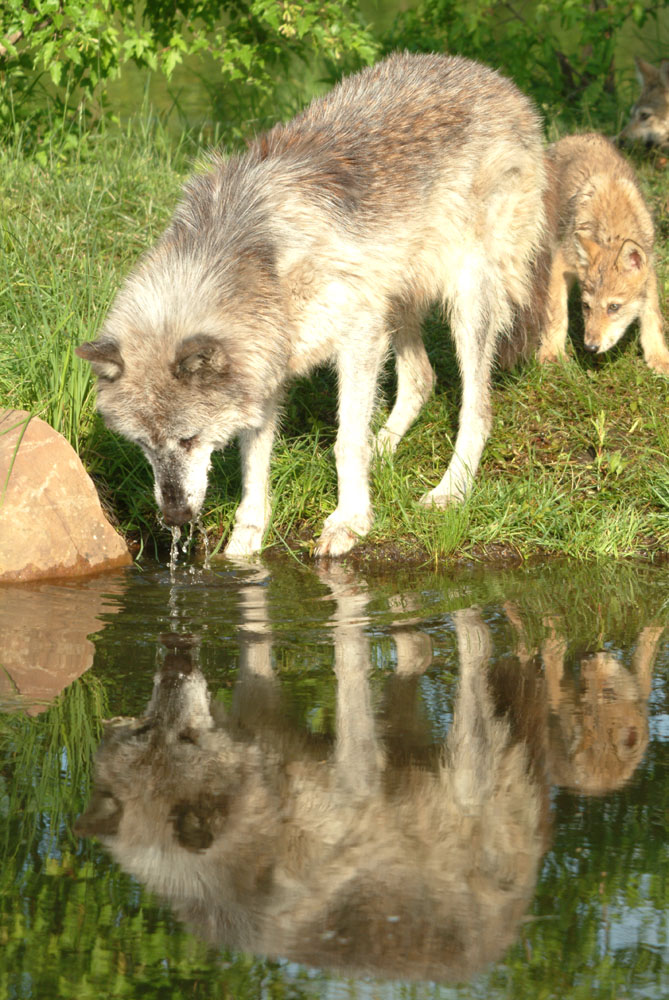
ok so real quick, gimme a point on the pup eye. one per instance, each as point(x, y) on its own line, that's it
point(187, 443)
point(643, 116)
point(613, 307)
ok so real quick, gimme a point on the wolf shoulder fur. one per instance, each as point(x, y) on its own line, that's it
point(605, 241)
point(416, 181)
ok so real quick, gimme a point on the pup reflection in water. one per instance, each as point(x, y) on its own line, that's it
point(382, 853)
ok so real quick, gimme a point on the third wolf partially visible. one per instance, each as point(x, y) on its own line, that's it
point(649, 117)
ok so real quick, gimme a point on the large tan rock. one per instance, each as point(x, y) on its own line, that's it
point(51, 521)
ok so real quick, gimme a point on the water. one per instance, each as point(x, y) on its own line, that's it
point(317, 783)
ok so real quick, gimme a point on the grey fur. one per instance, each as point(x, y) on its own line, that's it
point(419, 180)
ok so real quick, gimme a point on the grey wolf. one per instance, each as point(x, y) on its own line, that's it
point(604, 241)
point(416, 181)
point(649, 117)
point(368, 850)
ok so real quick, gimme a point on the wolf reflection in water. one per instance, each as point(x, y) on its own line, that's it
point(382, 852)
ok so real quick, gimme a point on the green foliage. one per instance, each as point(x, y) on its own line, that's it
point(562, 52)
point(57, 56)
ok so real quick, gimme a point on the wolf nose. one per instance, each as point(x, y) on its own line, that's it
point(590, 347)
point(177, 514)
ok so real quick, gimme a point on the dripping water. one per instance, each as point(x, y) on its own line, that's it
point(182, 546)
point(174, 549)
point(205, 543)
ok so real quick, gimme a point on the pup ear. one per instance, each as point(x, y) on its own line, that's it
point(587, 249)
point(201, 356)
point(104, 356)
point(631, 257)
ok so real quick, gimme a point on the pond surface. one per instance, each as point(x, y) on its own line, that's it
point(317, 783)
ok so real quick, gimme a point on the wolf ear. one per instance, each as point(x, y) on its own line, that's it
point(587, 249)
point(664, 73)
point(104, 356)
point(631, 257)
point(645, 71)
point(201, 356)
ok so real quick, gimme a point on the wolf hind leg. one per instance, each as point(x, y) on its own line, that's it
point(358, 366)
point(415, 380)
point(476, 325)
point(252, 515)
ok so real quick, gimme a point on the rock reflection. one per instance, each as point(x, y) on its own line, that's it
point(379, 852)
point(45, 628)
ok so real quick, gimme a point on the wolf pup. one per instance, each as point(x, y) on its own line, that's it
point(605, 242)
point(415, 181)
point(649, 117)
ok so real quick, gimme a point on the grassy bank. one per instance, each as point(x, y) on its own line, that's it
point(576, 463)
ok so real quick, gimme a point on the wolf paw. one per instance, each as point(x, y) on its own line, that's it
point(386, 441)
point(335, 542)
point(658, 363)
point(547, 356)
point(440, 500)
point(339, 536)
point(245, 540)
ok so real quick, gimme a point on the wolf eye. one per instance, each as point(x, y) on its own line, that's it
point(613, 307)
point(188, 735)
point(586, 307)
point(187, 443)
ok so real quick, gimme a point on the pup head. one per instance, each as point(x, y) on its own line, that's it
point(649, 117)
point(612, 289)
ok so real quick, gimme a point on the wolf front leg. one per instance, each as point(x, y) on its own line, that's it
point(358, 366)
point(653, 344)
point(554, 333)
point(253, 513)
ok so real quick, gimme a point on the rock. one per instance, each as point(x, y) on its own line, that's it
point(51, 521)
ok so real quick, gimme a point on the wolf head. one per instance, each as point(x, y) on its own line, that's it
point(649, 117)
point(196, 342)
point(178, 406)
point(612, 289)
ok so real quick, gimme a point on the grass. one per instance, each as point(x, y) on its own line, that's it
point(576, 464)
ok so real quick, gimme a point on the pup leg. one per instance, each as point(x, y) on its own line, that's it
point(475, 339)
point(554, 336)
point(415, 381)
point(253, 513)
point(358, 368)
point(653, 344)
